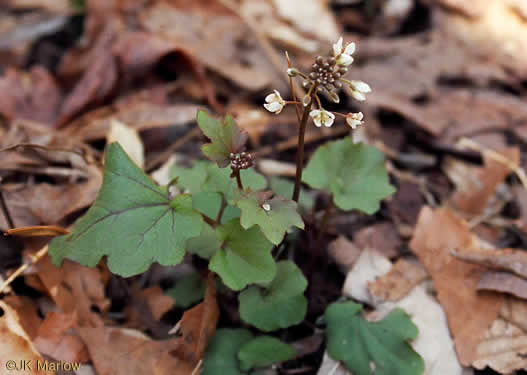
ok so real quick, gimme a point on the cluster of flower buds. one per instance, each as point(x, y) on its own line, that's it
point(326, 77)
point(242, 160)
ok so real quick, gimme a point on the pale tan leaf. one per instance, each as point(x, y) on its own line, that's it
point(436, 235)
point(129, 139)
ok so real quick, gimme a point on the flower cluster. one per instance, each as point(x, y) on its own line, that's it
point(326, 77)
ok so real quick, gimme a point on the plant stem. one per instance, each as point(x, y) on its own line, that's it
point(222, 208)
point(300, 151)
point(239, 180)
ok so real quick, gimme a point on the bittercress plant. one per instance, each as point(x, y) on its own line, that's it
point(223, 211)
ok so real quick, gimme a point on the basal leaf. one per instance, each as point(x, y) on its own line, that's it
point(188, 290)
point(353, 173)
point(226, 138)
point(264, 351)
point(221, 357)
point(364, 345)
point(132, 221)
point(274, 216)
point(244, 257)
point(280, 305)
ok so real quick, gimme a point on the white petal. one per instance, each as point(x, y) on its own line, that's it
point(359, 116)
point(361, 86)
point(270, 98)
point(278, 96)
point(350, 49)
point(315, 113)
point(328, 122)
point(344, 60)
point(337, 47)
point(274, 107)
point(358, 95)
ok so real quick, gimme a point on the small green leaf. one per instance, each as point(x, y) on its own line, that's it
point(208, 203)
point(221, 357)
point(132, 221)
point(274, 216)
point(353, 173)
point(206, 244)
point(244, 258)
point(226, 138)
point(188, 290)
point(283, 187)
point(264, 351)
point(207, 177)
point(361, 344)
point(281, 305)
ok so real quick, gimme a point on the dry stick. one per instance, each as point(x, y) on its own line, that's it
point(300, 151)
point(34, 259)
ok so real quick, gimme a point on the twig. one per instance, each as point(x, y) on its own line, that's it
point(34, 259)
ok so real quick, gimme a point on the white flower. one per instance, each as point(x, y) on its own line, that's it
point(343, 57)
point(358, 89)
point(266, 206)
point(354, 119)
point(274, 102)
point(322, 117)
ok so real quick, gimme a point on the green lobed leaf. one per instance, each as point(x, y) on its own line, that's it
point(207, 177)
point(353, 173)
point(221, 357)
point(226, 138)
point(263, 351)
point(206, 244)
point(281, 305)
point(132, 221)
point(359, 343)
point(274, 216)
point(244, 257)
point(188, 290)
point(285, 188)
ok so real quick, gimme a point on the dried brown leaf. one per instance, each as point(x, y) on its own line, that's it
point(31, 96)
point(503, 348)
point(503, 282)
point(476, 186)
point(15, 343)
point(512, 260)
point(344, 252)
point(455, 281)
point(398, 282)
point(57, 339)
point(382, 237)
point(27, 313)
point(75, 288)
